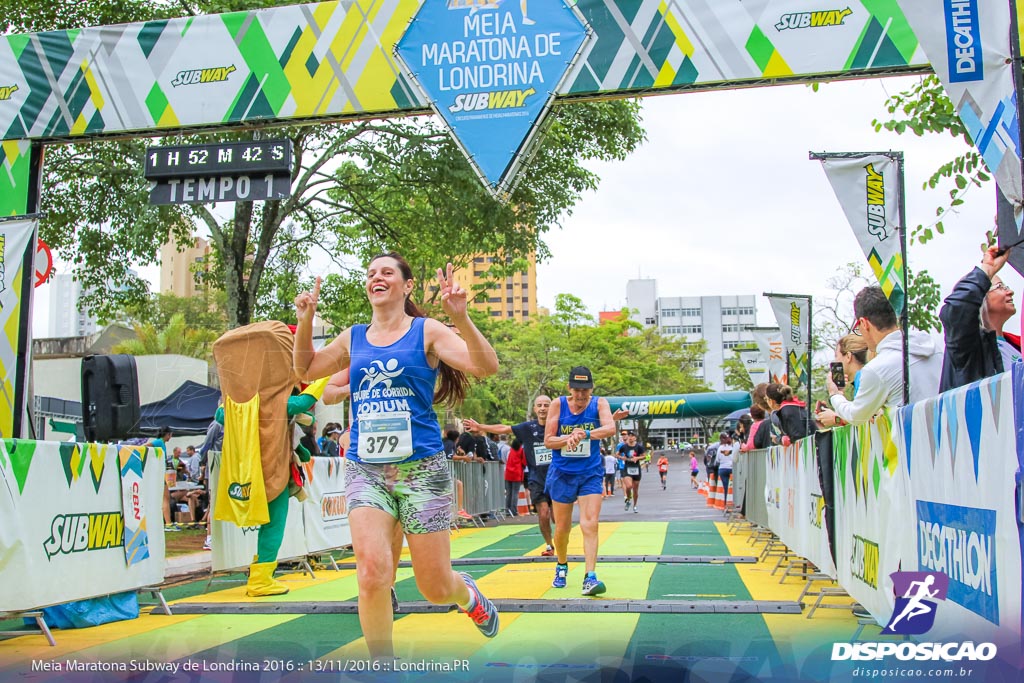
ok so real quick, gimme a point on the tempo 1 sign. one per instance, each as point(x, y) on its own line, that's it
point(220, 189)
point(250, 170)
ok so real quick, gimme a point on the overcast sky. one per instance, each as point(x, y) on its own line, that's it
point(722, 199)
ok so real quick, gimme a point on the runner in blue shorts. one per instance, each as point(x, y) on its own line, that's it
point(575, 426)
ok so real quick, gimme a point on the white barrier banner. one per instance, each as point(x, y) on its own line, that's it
point(235, 547)
point(963, 517)
point(796, 509)
point(324, 511)
point(873, 535)
point(62, 525)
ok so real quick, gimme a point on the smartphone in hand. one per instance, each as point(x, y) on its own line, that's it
point(838, 374)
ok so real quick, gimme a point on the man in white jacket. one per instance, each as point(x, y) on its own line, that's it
point(881, 380)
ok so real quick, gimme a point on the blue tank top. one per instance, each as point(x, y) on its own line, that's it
point(392, 390)
point(590, 419)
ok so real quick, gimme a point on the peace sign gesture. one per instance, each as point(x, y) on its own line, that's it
point(305, 304)
point(453, 296)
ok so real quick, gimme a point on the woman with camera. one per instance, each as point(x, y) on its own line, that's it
point(852, 354)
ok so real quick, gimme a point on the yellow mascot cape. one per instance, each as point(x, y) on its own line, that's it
point(254, 363)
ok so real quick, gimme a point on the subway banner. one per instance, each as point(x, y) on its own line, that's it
point(336, 59)
point(14, 176)
point(490, 71)
point(16, 237)
point(968, 45)
point(793, 314)
point(769, 343)
point(681, 405)
point(62, 522)
point(868, 188)
point(962, 502)
point(796, 509)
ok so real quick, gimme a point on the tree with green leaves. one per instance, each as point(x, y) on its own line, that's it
point(535, 358)
point(176, 337)
point(358, 188)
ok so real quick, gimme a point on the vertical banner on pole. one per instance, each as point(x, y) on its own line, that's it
point(755, 362)
point(131, 463)
point(968, 45)
point(15, 238)
point(769, 343)
point(792, 311)
point(867, 187)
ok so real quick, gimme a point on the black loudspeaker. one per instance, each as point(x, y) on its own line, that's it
point(110, 397)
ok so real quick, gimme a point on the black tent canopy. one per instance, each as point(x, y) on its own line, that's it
point(187, 411)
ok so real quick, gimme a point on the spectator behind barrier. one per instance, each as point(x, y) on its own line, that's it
point(881, 382)
point(972, 322)
point(789, 414)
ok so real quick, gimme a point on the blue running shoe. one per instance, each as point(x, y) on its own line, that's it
point(591, 586)
point(484, 614)
point(561, 571)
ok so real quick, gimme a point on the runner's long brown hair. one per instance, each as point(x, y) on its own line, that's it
point(452, 384)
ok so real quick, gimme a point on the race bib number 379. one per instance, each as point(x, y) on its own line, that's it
point(385, 437)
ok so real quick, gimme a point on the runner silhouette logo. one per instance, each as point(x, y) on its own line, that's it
point(914, 613)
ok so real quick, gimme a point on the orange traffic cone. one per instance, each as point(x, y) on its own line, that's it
point(522, 506)
point(719, 496)
point(712, 483)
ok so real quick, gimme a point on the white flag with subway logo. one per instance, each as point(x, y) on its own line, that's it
point(867, 187)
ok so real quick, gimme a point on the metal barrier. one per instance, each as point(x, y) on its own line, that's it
point(754, 475)
point(483, 487)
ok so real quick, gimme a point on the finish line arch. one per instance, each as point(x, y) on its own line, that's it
point(334, 61)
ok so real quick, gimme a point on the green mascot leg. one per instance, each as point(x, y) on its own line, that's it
point(261, 571)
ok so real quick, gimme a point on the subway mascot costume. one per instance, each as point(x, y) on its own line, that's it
point(258, 460)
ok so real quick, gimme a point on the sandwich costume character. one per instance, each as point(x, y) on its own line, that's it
point(259, 459)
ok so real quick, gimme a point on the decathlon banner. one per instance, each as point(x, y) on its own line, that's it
point(62, 524)
point(874, 533)
point(490, 70)
point(324, 513)
point(868, 188)
point(960, 449)
point(769, 343)
point(234, 547)
point(16, 237)
point(796, 509)
point(793, 313)
point(756, 365)
point(968, 45)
